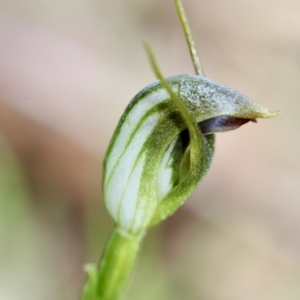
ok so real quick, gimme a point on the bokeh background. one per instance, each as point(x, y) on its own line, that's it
point(67, 71)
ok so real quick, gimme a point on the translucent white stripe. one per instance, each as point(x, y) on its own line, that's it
point(146, 207)
point(133, 209)
point(120, 179)
point(129, 125)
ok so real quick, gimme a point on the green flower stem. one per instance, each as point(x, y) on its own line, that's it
point(117, 264)
point(109, 280)
point(189, 38)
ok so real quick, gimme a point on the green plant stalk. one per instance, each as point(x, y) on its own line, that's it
point(110, 280)
point(117, 264)
point(189, 38)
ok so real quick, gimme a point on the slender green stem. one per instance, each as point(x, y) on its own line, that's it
point(189, 38)
point(116, 267)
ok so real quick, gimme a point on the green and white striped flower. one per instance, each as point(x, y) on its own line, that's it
point(163, 145)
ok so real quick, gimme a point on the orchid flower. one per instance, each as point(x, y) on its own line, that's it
point(160, 151)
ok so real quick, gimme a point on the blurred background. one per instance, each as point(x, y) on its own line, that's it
point(67, 71)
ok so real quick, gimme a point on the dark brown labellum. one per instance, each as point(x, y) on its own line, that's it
point(222, 123)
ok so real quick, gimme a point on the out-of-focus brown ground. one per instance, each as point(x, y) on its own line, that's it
point(67, 72)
